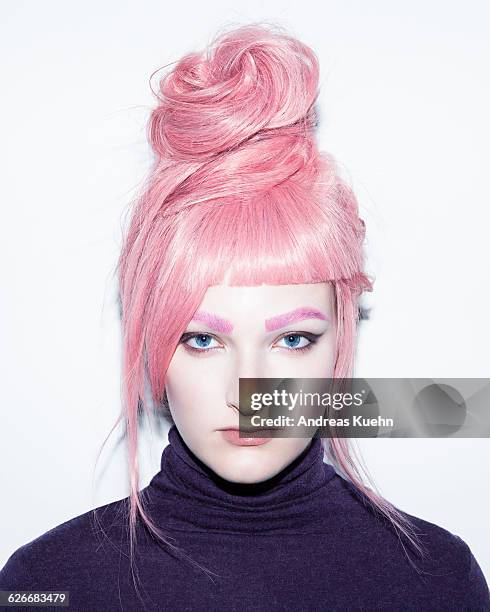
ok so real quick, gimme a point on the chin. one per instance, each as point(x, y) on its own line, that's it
point(246, 471)
point(247, 478)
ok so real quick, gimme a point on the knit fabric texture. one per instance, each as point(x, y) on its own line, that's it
point(304, 540)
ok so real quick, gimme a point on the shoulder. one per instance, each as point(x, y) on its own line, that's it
point(447, 567)
point(67, 550)
point(450, 563)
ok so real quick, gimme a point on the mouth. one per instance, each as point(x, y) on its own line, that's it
point(247, 430)
point(232, 435)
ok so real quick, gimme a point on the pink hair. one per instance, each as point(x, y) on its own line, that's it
point(238, 193)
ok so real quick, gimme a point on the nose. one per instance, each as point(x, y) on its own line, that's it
point(243, 366)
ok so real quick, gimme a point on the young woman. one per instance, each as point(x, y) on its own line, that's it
point(243, 258)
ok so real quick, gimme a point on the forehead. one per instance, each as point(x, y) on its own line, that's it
point(261, 302)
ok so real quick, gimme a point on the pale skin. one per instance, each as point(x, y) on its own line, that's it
point(240, 333)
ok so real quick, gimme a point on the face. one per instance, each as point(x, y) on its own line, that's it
point(265, 331)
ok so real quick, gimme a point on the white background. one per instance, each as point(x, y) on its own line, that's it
point(403, 107)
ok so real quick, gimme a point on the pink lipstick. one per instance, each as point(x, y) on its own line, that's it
point(233, 436)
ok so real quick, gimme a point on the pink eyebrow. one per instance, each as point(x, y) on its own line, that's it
point(222, 326)
point(298, 314)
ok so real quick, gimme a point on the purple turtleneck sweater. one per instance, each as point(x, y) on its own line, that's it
point(301, 541)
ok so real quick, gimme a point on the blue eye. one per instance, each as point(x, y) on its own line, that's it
point(202, 341)
point(296, 341)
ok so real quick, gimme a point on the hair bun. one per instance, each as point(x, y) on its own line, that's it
point(250, 79)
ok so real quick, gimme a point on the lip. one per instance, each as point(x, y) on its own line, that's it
point(232, 435)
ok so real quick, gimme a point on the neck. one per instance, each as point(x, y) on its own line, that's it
point(188, 495)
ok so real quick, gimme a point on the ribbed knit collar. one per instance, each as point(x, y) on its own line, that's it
point(187, 495)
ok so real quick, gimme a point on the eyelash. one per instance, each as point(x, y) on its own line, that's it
point(312, 338)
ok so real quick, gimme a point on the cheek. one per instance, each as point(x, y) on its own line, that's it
point(191, 385)
point(322, 364)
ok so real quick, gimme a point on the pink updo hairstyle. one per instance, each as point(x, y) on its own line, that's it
point(238, 194)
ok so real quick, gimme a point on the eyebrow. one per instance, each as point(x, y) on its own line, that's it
point(224, 326)
point(218, 324)
point(298, 314)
